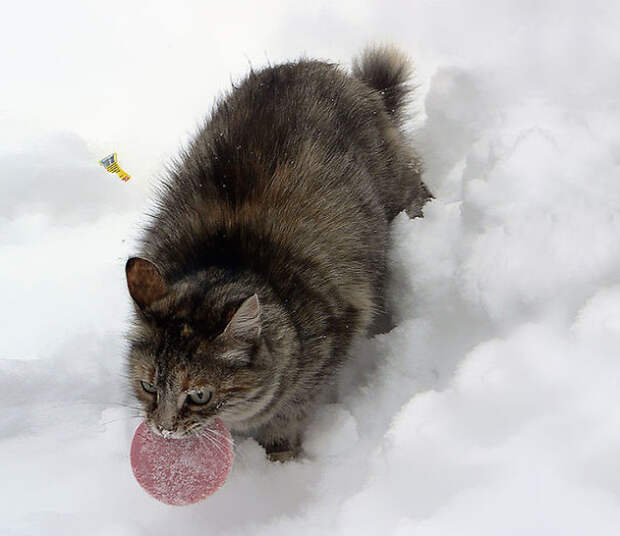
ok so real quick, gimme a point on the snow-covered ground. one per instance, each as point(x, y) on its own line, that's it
point(494, 405)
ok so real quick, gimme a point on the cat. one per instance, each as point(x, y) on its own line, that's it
point(266, 253)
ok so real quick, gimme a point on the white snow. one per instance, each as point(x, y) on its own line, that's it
point(493, 407)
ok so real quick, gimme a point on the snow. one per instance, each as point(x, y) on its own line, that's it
point(493, 405)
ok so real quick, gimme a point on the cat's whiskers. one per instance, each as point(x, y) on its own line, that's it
point(229, 440)
point(212, 440)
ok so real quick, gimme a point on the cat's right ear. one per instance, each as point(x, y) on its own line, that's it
point(144, 282)
point(245, 325)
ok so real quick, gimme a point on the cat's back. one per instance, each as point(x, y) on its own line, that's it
point(300, 168)
point(306, 118)
point(284, 157)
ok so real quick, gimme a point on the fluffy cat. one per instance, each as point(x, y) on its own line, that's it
point(267, 251)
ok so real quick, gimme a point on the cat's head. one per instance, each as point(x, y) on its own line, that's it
point(197, 352)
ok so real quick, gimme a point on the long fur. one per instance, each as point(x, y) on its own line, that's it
point(388, 71)
point(287, 191)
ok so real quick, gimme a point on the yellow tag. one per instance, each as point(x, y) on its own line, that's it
point(110, 163)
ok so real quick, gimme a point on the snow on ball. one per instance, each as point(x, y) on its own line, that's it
point(181, 471)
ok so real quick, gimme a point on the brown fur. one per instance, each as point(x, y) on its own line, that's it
point(286, 193)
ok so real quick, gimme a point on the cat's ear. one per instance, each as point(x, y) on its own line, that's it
point(245, 325)
point(144, 282)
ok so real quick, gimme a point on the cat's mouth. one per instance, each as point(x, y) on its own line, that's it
point(166, 433)
point(171, 434)
point(180, 432)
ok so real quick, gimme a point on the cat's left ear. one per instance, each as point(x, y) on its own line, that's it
point(144, 282)
point(245, 325)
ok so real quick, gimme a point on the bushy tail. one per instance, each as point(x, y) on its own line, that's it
point(387, 70)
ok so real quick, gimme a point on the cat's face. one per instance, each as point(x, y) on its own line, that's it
point(192, 361)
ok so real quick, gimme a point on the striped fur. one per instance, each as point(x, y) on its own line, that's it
point(287, 191)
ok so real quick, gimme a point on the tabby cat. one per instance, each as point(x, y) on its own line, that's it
point(266, 253)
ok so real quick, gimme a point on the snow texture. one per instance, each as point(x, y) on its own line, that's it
point(493, 406)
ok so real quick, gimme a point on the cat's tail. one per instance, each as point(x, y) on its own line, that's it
point(388, 70)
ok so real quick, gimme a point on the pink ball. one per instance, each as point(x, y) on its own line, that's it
point(181, 471)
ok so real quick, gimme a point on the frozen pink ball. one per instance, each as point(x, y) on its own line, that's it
point(181, 471)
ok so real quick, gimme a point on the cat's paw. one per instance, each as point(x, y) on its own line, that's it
point(283, 455)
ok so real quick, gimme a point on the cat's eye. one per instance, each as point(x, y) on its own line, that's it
point(149, 388)
point(199, 397)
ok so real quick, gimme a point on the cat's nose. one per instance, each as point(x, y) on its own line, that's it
point(165, 415)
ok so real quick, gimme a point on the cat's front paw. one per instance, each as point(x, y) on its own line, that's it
point(283, 455)
point(283, 450)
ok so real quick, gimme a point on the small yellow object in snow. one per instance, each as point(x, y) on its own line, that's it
point(110, 163)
